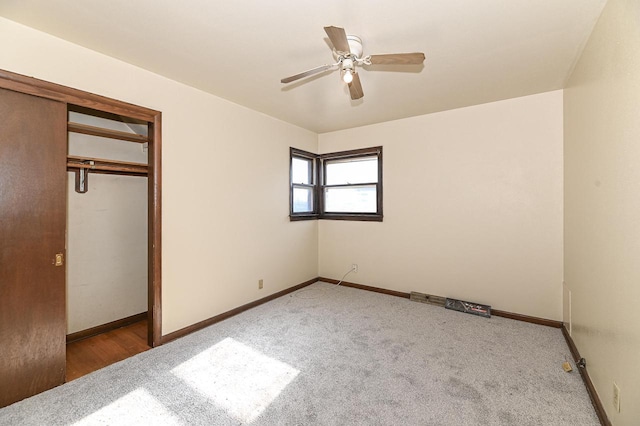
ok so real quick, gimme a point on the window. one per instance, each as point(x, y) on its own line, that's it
point(303, 183)
point(341, 185)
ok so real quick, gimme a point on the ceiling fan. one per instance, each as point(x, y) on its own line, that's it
point(347, 50)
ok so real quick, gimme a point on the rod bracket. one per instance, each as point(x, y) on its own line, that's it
point(82, 180)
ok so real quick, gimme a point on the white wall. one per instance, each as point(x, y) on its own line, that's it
point(472, 206)
point(225, 180)
point(106, 234)
point(602, 206)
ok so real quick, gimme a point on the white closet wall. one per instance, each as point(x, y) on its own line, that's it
point(106, 233)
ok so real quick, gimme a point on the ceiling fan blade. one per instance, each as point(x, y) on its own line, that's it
point(355, 88)
point(398, 59)
point(338, 38)
point(307, 73)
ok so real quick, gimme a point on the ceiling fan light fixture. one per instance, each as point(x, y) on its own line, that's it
point(347, 77)
point(347, 70)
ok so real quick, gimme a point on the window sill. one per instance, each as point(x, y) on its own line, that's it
point(296, 217)
point(354, 217)
point(341, 216)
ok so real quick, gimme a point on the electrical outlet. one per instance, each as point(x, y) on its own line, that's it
point(616, 397)
point(260, 284)
point(354, 268)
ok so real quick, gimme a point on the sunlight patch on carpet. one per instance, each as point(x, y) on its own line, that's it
point(135, 408)
point(237, 378)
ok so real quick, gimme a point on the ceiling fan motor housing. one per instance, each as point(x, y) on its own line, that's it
point(355, 45)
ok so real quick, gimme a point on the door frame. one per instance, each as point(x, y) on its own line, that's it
point(70, 96)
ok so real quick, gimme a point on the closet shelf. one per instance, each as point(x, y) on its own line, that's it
point(105, 133)
point(101, 165)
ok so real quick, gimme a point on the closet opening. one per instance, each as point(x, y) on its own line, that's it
point(107, 265)
point(58, 145)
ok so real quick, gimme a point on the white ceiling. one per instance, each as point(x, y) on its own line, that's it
point(477, 50)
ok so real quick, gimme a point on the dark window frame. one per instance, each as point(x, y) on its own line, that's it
point(313, 159)
point(320, 163)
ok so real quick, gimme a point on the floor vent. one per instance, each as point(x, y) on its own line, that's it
point(427, 298)
point(468, 307)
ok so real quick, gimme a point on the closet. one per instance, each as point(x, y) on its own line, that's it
point(34, 222)
point(106, 222)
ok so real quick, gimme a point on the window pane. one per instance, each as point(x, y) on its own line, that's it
point(302, 200)
point(361, 199)
point(356, 170)
point(301, 170)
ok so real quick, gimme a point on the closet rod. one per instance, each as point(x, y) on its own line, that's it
point(104, 168)
point(82, 159)
point(105, 133)
point(100, 165)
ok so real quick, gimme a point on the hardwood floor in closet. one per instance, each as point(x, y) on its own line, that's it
point(93, 353)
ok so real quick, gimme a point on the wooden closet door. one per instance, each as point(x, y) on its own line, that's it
point(33, 146)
